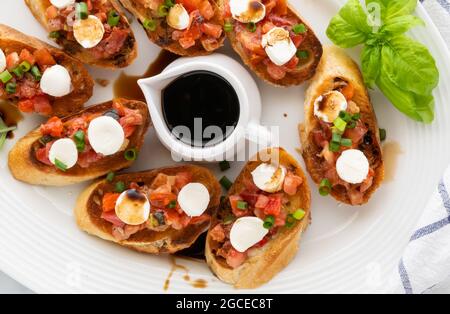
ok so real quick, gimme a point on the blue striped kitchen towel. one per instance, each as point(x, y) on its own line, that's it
point(426, 260)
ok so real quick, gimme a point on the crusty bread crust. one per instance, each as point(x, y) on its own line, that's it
point(13, 40)
point(336, 63)
point(38, 9)
point(297, 77)
point(140, 12)
point(88, 212)
point(24, 166)
point(275, 255)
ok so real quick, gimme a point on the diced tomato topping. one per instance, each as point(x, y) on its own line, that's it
point(182, 179)
point(297, 40)
point(276, 72)
point(44, 58)
point(199, 219)
point(129, 122)
point(212, 30)
point(51, 12)
point(273, 207)
point(53, 127)
point(191, 5)
point(292, 64)
point(85, 159)
point(177, 220)
point(161, 200)
point(235, 258)
point(26, 55)
point(356, 134)
point(26, 106)
point(234, 199)
point(206, 9)
point(12, 61)
point(281, 7)
point(262, 201)
point(42, 105)
point(109, 201)
point(291, 184)
point(217, 233)
point(42, 154)
point(112, 218)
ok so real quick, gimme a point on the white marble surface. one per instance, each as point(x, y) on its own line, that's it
point(441, 18)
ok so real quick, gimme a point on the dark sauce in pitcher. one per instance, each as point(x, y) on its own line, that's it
point(204, 95)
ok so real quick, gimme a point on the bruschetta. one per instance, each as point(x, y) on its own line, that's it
point(83, 146)
point(272, 39)
point(39, 78)
point(97, 32)
point(157, 211)
point(340, 136)
point(184, 27)
point(257, 228)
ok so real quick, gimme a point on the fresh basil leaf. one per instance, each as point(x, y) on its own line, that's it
point(396, 8)
point(349, 27)
point(419, 108)
point(410, 65)
point(401, 24)
point(371, 64)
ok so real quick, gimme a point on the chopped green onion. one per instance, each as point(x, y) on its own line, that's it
point(351, 124)
point(11, 88)
point(224, 165)
point(340, 124)
point(269, 222)
point(60, 165)
point(131, 154)
point(110, 176)
point(302, 54)
point(299, 214)
point(325, 187)
point(336, 137)
point(346, 142)
point(149, 24)
point(163, 10)
point(44, 140)
point(226, 183)
point(290, 221)
point(172, 204)
point(242, 205)
point(79, 139)
point(228, 27)
point(25, 66)
point(344, 115)
point(383, 135)
point(169, 3)
point(299, 29)
point(36, 73)
point(335, 147)
point(5, 76)
point(356, 116)
point(2, 135)
point(54, 35)
point(82, 10)
point(228, 219)
point(18, 72)
point(113, 18)
point(119, 187)
point(251, 27)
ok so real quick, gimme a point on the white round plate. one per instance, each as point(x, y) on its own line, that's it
point(346, 249)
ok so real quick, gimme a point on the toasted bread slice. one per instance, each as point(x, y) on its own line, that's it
point(88, 212)
point(162, 36)
point(12, 40)
point(306, 68)
point(336, 63)
point(25, 167)
point(269, 260)
point(122, 59)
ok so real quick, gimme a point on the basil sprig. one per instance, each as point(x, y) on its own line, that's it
point(402, 68)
